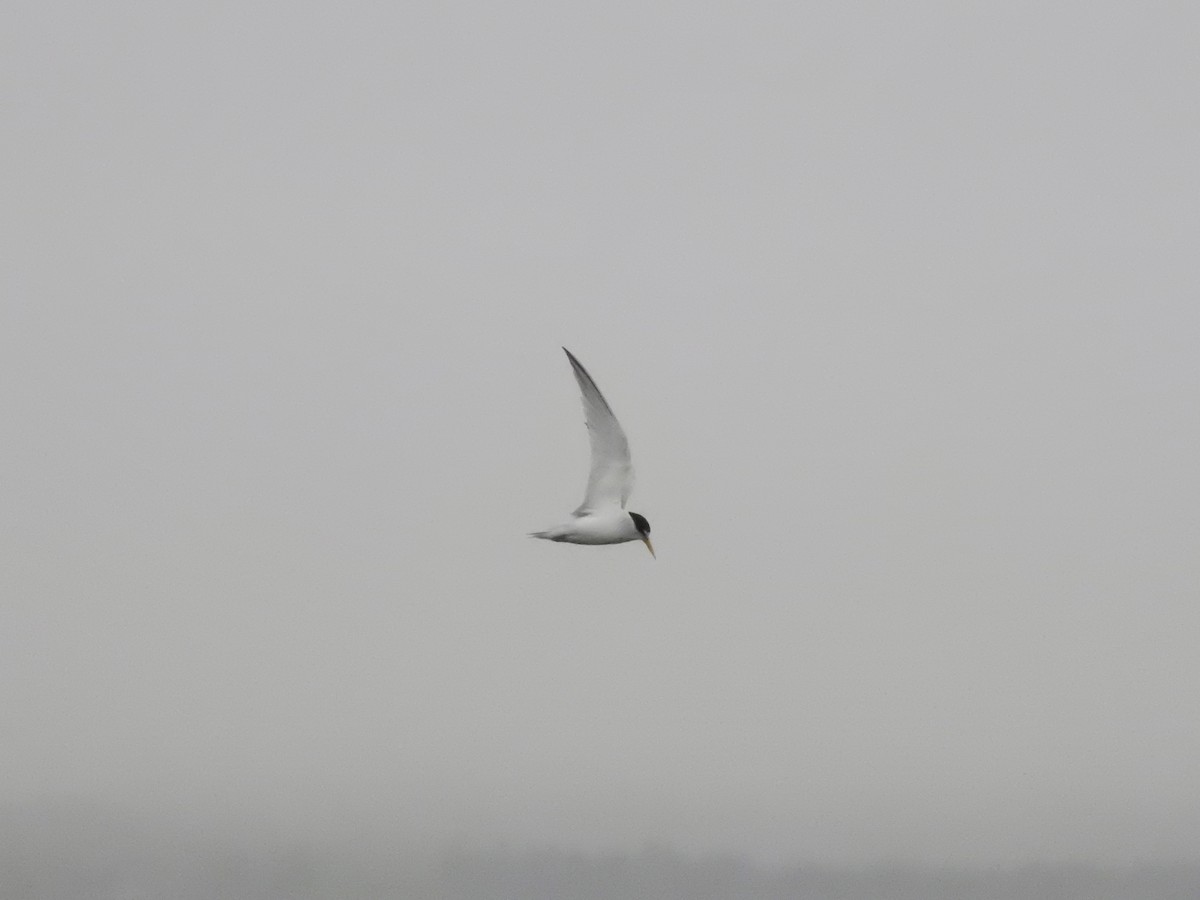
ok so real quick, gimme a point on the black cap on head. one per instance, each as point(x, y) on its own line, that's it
point(640, 523)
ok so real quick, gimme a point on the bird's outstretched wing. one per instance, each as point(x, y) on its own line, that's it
point(611, 479)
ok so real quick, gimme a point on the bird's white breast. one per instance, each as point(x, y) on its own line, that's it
point(603, 527)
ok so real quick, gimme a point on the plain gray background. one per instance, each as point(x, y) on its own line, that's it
point(897, 303)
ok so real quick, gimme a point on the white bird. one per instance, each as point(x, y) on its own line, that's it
point(601, 518)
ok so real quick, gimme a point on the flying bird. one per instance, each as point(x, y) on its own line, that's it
point(602, 518)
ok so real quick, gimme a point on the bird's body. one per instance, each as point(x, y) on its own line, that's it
point(604, 527)
point(602, 518)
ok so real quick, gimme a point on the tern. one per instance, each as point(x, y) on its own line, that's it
point(602, 518)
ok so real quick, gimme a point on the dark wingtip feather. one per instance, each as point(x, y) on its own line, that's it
point(587, 376)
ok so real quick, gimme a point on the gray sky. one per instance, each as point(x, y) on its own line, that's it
point(897, 303)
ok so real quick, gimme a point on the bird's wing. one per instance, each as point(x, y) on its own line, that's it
point(611, 479)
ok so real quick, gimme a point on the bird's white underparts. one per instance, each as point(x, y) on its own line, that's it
point(602, 517)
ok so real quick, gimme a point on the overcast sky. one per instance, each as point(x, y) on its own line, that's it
point(899, 305)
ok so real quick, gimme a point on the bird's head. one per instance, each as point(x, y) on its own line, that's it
point(643, 530)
